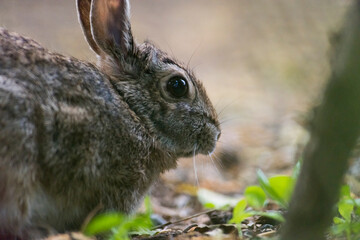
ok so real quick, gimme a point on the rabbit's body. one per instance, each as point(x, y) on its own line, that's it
point(74, 136)
point(69, 122)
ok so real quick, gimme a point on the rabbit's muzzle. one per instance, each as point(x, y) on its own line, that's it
point(208, 138)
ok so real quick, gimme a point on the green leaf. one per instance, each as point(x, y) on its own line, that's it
point(119, 224)
point(239, 213)
point(255, 196)
point(345, 191)
point(209, 205)
point(240, 207)
point(355, 227)
point(262, 178)
point(241, 217)
point(265, 185)
point(141, 221)
point(345, 209)
point(338, 220)
point(147, 203)
point(283, 186)
point(269, 190)
point(119, 234)
point(339, 228)
point(103, 223)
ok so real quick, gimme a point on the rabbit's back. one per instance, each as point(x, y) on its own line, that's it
point(53, 98)
point(67, 140)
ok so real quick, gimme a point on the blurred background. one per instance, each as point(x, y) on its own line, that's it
point(263, 63)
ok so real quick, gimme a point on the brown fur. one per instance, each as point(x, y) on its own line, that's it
point(73, 135)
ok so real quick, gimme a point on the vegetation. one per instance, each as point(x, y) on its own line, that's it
point(347, 223)
point(276, 189)
point(117, 226)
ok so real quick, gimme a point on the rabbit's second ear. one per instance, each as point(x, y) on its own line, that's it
point(83, 7)
point(110, 26)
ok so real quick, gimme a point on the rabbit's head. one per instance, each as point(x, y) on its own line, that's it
point(165, 96)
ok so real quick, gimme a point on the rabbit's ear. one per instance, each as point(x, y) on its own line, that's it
point(83, 8)
point(110, 26)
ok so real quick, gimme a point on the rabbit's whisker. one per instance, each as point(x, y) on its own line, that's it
point(195, 169)
point(229, 120)
point(221, 111)
point(216, 105)
point(218, 161)
point(213, 163)
point(192, 55)
point(169, 46)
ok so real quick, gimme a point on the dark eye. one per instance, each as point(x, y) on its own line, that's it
point(177, 86)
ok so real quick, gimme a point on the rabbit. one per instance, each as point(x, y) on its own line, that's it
point(74, 135)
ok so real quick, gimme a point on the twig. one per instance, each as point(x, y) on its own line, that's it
point(184, 219)
point(91, 215)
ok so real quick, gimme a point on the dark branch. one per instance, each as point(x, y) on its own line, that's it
point(335, 128)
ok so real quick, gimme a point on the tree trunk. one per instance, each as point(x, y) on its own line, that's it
point(335, 129)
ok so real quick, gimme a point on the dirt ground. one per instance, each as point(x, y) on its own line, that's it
point(262, 62)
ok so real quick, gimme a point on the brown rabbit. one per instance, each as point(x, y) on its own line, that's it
point(74, 135)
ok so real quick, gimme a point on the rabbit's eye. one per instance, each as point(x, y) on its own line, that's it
point(177, 86)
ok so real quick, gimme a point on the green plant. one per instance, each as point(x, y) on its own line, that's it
point(255, 196)
point(117, 226)
point(240, 214)
point(347, 223)
point(279, 188)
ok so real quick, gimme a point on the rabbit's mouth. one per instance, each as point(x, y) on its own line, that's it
point(190, 153)
point(207, 148)
point(204, 147)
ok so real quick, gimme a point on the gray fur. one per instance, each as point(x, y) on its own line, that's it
point(74, 135)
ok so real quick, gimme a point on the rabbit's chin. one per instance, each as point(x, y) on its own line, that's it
point(198, 150)
point(187, 154)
